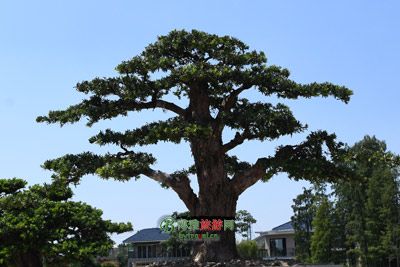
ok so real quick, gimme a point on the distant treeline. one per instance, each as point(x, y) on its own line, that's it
point(355, 221)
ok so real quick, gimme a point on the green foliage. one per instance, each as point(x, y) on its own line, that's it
point(325, 241)
point(210, 71)
point(199, 79)
point(243, 222)
point(370, 203)
point(108, 264)
point(363, 220)
point(247, 249)
point(171, 130)
point(121, 166)
point(10, 186)
point(42, 223)
point(304, 210)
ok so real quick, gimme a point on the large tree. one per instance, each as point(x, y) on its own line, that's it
point(208, 73)
point(369, 204)
point(40, 225)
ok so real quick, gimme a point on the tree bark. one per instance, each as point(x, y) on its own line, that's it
point(222, 205)
point(218, 194)
point(216, 198)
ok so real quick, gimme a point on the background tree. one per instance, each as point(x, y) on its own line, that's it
point(326, 242)
point(243, 222)
point(304, 210)
point(207, 74)
point(40, 226)
point(350, 205)
point(321, 240)
point(369, 204)
point(362, 219)
point(382, 223)
point(319, 234)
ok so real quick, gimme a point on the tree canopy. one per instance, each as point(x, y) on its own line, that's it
point(212, 72)
point(41, 225)
point(370, 204)
point(206, 74)
point(359, 220)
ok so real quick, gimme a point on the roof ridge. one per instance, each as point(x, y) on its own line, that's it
point(282, 225)
point(148, 234)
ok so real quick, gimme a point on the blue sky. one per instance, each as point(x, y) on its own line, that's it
point(48, 46)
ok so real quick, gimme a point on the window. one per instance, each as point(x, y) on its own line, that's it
point(278, 247)
point(139, 251)
point(142, 251)
point(151, 251)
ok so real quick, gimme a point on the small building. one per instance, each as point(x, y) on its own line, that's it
point(146, 246)
point(277, 243)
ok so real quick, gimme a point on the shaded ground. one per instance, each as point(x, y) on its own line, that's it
point(232, 263)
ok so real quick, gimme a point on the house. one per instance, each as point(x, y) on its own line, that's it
point(146, 246)
point(277, 243)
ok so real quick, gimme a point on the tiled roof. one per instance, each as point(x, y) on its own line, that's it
point(147, 235)
point(284, 227)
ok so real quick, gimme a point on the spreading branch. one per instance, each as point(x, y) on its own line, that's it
point(179, 182)
point(237, 140)
point(260, 121)
point(244, 179)
point(230, 100)
point(307, 160)
point(157, 104)
point(170, 106)
point(121, 166)
point(97, 108)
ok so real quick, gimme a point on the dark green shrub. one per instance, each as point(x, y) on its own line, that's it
point(247, 249)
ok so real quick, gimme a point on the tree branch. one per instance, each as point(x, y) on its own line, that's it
point(170, 106)
point(159, 104)
point(179, 183)
point(243, 180)
point(97, 109)
point(229, 101)
point(237, 140)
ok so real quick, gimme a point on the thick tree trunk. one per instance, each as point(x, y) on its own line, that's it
point(217, 196)
point(216, 251)
point(220, 203)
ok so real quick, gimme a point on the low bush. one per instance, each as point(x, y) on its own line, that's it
point(247, 249)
